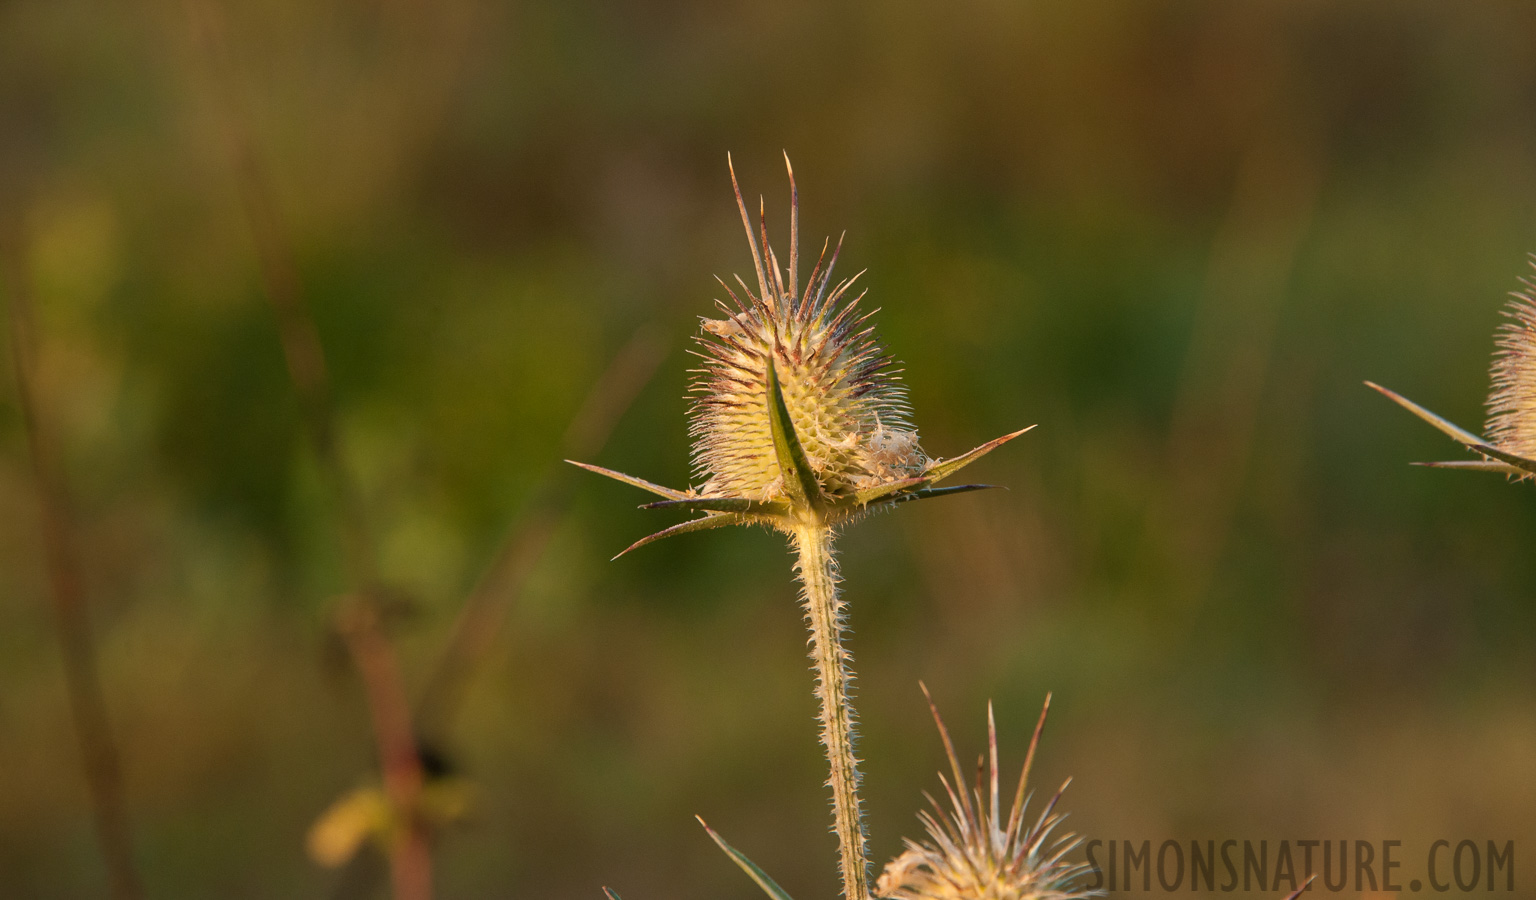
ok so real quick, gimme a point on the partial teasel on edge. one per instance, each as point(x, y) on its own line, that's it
point(1510, 447)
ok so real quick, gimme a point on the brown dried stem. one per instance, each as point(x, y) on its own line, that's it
point(480, 619)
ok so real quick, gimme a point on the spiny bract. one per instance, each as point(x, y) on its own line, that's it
point(797, 413)
point(1510, 447)
point(973, 854)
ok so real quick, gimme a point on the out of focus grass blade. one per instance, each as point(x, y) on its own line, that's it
point(758, 875)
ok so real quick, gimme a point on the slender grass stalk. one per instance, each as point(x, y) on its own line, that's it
point(358, 619)
point(480, 618)
point(340, 833)
point(801, 424)
point(826, 614)
point(98, 752)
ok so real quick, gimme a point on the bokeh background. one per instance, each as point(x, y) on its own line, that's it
point(1177, 235)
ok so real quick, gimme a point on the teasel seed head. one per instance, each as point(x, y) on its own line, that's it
point(798, 412)
point(845, 403)
point(973, 853)
point(1510, 446)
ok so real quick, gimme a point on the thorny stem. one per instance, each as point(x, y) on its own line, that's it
point(99, 757)
point(824, 612)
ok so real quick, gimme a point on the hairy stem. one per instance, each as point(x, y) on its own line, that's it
point(824, 612)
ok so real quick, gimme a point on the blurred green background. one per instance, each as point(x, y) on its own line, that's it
point(1177, 235)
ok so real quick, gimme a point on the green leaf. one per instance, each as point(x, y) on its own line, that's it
point(928, 493)
point(631, 480)
point(1475, 465)
point(723, 504)
point(799, 480)
point(942, 469)
point(713, 520)
point(1456, 432)
point(753, 872)
point(1526, 466)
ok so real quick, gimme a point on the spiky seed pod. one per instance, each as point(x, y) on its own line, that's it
point(844, 401)
point(1512, 402)
point(972, 853)
point(1510, 447)
point(844, 444)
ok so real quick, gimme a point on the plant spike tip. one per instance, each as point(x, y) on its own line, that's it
point(794, 230)
point(757, 259)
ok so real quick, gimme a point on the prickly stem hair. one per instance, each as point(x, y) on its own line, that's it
point(826, 615)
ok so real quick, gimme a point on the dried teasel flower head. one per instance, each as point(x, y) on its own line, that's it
point(973, 853)
point(798, 414)
point(1510, 445)
point(848, 409)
